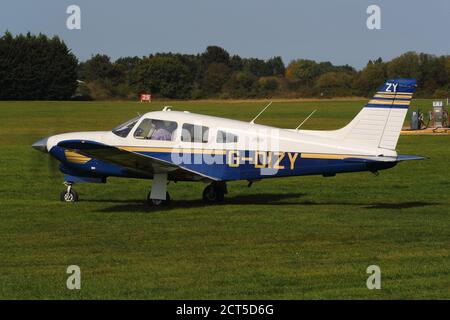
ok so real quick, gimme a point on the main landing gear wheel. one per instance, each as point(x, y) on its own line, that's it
point(69, 195)
point(158, 202)
point(214, 193)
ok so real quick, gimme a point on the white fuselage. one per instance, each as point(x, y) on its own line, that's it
point(250, 137)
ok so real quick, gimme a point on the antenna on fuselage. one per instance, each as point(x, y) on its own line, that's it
point(310, 115)
point(253, 121)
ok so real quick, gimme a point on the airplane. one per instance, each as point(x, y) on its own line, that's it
point(182, 146)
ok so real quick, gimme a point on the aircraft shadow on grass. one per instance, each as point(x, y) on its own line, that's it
point(400, 205)
point(274, 199)
point(251, 199)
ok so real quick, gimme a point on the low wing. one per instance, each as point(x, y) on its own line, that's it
point(135, 162)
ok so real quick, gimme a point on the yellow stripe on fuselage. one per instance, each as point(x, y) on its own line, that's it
point(220, 151)
point(74, 154)
point(394, 102)
point(174, 150)
point(76, 157)
point(325, 156)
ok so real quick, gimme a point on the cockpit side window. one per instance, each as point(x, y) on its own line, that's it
point(194, 133)
point(124, 129)
point(226, 137)
point(151, 129)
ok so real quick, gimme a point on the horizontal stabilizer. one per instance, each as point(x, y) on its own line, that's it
point(407, 157)
point(368, 159)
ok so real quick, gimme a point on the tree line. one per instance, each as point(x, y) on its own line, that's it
point(38, 67)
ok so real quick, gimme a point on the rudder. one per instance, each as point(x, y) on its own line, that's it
point(380, 121)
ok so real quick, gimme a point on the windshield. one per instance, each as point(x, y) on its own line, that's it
point(124, 129)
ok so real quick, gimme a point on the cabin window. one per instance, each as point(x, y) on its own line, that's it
point(226, 137)
point(194, 133)
point(124, 129)
point(150, 129)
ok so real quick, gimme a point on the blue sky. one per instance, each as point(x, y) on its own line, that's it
point(317, 29)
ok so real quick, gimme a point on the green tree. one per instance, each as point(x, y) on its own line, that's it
point(242, 84)
point(127, 63)
point(269, 84)
point(405, 66)
point(276, 66)
point(303, 70)
point(100, 67)
point(215, 77)
point(236, 63)
point(447, 67)
point(164, 75)
point(257, 67)
point(104, 78)
point(215, 54)
point(370, 78)
point(36, 68)
point(335, 84)
point(429, 71)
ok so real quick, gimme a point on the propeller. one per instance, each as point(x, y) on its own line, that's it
point(53, 166)
point(37, 159)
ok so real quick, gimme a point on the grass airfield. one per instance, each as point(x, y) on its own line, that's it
point(293, 238)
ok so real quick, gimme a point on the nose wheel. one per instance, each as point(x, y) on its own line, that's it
point(68, 195)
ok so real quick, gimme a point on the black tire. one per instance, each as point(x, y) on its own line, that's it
point(156, 202)
point(213, 194)
point(70, 196)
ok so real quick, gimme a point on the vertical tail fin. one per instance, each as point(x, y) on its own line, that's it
point(379, 123)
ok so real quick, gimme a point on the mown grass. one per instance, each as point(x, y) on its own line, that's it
point(294, 238)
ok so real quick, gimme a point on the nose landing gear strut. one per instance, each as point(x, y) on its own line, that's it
point(68, 195)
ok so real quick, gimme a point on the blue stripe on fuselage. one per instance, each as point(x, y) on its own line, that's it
point(233, 165)
point(241, 165)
